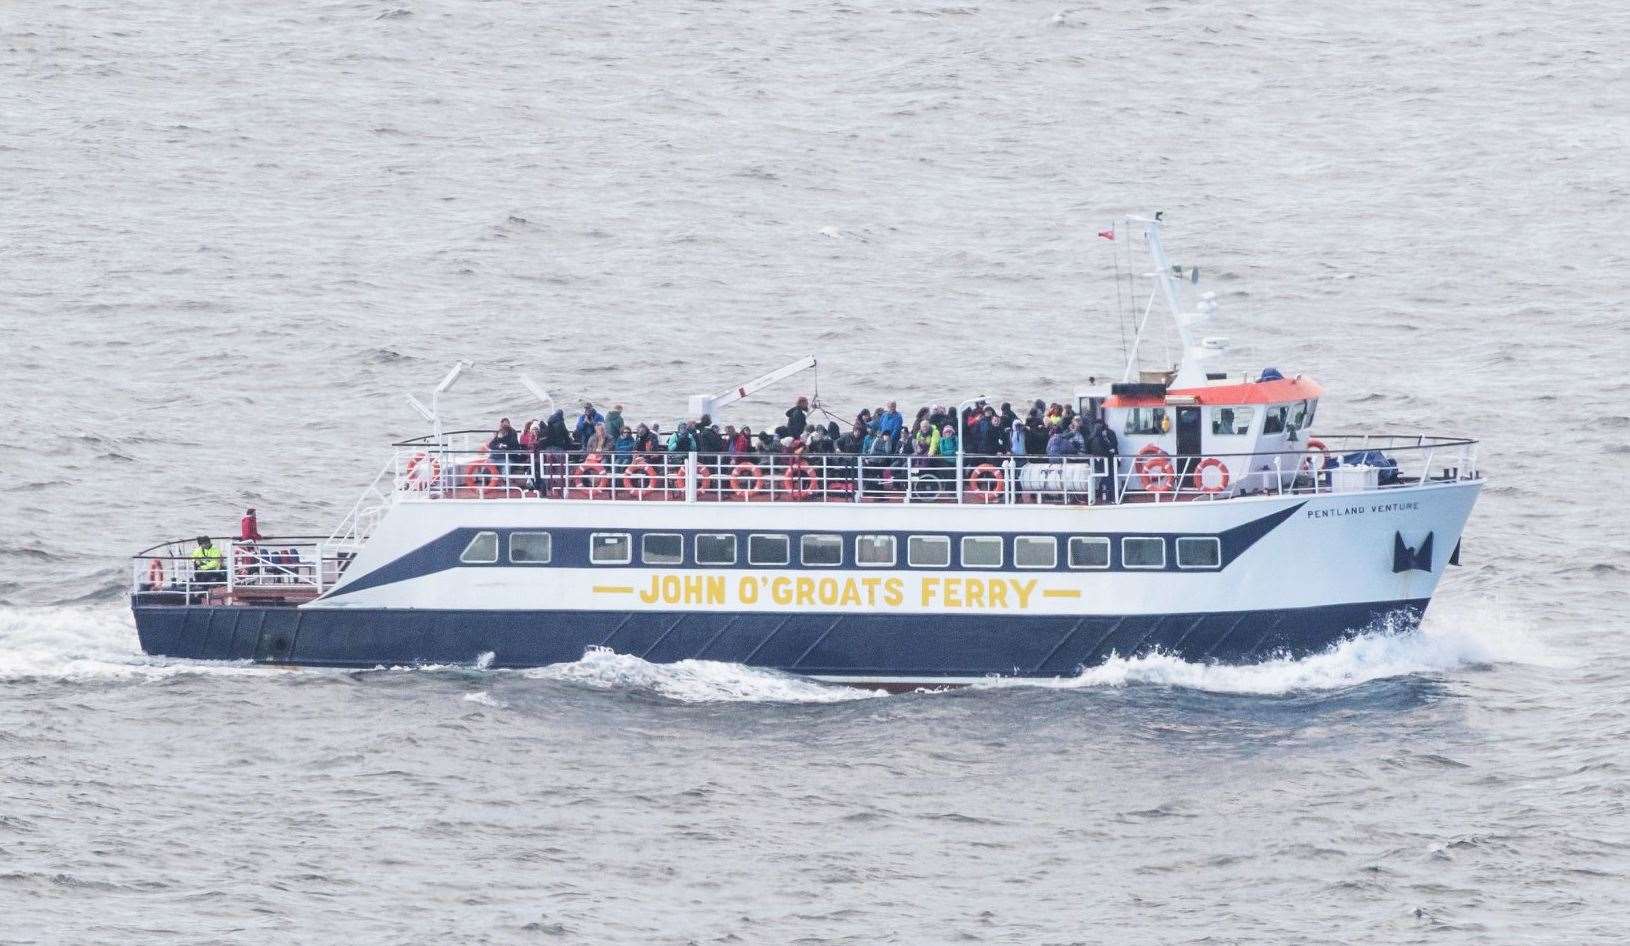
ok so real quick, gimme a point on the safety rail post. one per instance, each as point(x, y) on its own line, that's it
point(690, 477)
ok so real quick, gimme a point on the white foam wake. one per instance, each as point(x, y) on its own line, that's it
point(83, 643)
point(696, 681)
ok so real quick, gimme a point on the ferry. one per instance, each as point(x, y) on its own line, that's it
point(1221, 530)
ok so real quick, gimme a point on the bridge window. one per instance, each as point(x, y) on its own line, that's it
point(874, 551)
point(1199, 552)
point(716, 548)
point(610, 548)
point(531, 548)
point(1143, 553)
point(767, 550)
point(1035, 551)
point(982, 551)
point(662, 548)
point(1089, 551)
point(1275, 422)
point(821, 550)
point(928, 551)
point(1146, 421)
point(1232, 421)
point(482, 550)
point(1299, 418)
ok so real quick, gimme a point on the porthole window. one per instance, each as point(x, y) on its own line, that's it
point(874, 551)
point(822, 550)
point(1199, 552)
point(531, 548)
point(610, 548)
point(981, 551)
point(482, 550)
point(662, 548)
point(928, 551)
point(1143, 553)
point(715, 548)
point(1035, 551)
point(767, 550)
point(1089, 551)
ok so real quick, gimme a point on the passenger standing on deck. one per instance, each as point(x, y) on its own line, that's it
point(504, 449)
point(890, 422)
point(614, 423)
point(1104, 445)
point(586, 424)
point(598, 441)
point(207, 568)
point(249, 526)
point(798, 418)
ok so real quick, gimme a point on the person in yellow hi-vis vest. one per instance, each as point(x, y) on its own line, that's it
point(207, 566)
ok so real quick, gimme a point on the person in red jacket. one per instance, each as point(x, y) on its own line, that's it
point(248, 528)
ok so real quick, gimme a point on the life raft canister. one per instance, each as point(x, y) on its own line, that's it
point(1154, 467)
point(1198, 478)
point(640, 479)
point(592, 476)
point(754, 480)
point(429, 464)
point(986, 482)
point(799, 481)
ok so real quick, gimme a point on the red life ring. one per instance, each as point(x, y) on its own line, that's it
point(1154, 467)
point(155, 574)
point(704, 478)
point(592, 477)
point(755, 480)
point(481, 476)
point(799, 481)
point(422, 459)
point(982, 474)
point(1198, 479)
point(648, 480)
point(1314, 443)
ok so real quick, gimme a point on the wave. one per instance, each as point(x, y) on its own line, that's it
point(83, 643)
point(696, 681)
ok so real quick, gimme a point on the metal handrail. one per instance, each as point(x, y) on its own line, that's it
point(279, 566)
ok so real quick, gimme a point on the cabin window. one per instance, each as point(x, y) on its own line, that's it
point(1298, 416)
point(821, 550)
point(1143, 553)
point(662, 548)
point(928, 551)
point(530, 548)
point(1275, 422)
point(1089, 551)
point(768, 550)
point(1232, 421)
point(1035, 551)
point(982, 551)
point(1312, 408)
point(1146, 421)
point(1199, 552)
point(610, 548)
point(482, 550)
point(716, 548)
point(874, 551)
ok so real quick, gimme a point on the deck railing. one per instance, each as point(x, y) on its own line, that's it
point(274, 570)
point(1335, 463)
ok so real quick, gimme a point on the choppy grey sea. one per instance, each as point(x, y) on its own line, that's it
point(233, 236)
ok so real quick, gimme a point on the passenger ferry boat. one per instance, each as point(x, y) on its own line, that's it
point(1224, 531)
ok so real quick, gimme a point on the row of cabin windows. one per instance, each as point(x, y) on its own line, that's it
point(871, 551)
point(1226, 421)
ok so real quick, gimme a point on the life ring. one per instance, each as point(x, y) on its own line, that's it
point(155, 574)
point(431, 465)
point(800, 481)
point(1154, 467)
point(481, 476)
point(704, 478)
point(1314, 443)
point(754, 480)
point(648, 480)
point(982, 474)
point(592, 477)
point(1198, 477)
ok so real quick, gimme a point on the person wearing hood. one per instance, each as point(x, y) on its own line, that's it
point(798, 417)
point(947, 444)
point(614, 423)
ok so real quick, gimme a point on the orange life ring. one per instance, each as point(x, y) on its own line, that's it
point(755, 480)
point(592, 477)
point(800, 481)
point(704, 478)
point(481, 476)
point(1197, 478)
point(983, 473)
point(434, 466)
point(1314, 443)
point(649, 482)
point(1154, 467)
point(155, 574)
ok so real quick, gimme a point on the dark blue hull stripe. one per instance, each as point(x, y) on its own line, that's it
point(812, 643)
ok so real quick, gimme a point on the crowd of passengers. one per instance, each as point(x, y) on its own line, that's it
point(1050, 430)
point(1044, 430)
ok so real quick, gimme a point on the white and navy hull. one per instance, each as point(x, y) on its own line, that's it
point(1291, 576)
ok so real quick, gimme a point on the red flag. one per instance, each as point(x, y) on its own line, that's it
point(1107, 234)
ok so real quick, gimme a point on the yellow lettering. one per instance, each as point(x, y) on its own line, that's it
point(851, 592)
point(670, 588)
point(805, 590)
point(894, 591)
point(871, 591)
point(649, 595)
point(693, 589)
point(747, 591)
point(953, 592)
point(1023, 590)
point(974, 591)
point(828, 591)
point(930, 586)
point(715, 589)
point(998, 593)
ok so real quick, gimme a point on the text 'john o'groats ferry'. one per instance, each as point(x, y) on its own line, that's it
point(1205, 520)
